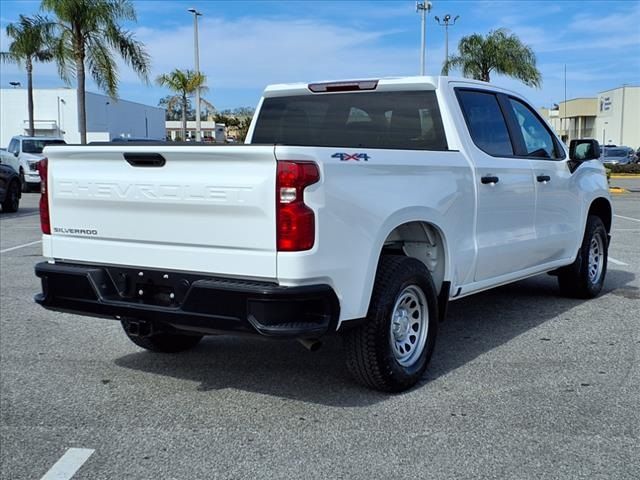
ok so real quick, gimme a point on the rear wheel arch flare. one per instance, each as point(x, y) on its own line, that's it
point(424, 241)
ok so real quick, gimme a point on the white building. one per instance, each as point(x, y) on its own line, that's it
point(618, 120)
point(56, 114)
point(211, 131)
point(611, 118)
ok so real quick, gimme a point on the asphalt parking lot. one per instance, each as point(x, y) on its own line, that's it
point(523, 384)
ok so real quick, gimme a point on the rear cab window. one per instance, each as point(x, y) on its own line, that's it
point(404, 120)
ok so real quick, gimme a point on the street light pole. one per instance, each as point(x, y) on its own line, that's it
point(423, 8)
point(604, 151)
point(446, 21)
point(196, 14)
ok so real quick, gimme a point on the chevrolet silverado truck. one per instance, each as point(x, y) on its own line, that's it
point(358, 208)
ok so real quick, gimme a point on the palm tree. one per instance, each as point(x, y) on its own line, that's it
point(30, 37)
point(89, 36)
point(184, 83)
point(499, 52)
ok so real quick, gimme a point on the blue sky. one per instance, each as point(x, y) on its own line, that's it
point(245, 45)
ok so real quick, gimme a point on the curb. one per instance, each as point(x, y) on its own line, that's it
point(624, 175)
point(617, 190)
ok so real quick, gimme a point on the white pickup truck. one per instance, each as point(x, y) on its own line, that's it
point(358, 207)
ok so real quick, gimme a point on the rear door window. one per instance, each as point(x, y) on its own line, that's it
point(393, 120)
point(486, 122)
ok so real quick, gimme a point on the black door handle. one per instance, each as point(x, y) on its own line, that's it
point(543, 178)
point(489, 180)
point(144, 159)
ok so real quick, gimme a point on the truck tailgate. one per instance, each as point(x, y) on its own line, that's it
point(205, 209)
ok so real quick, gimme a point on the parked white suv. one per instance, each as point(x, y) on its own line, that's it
point(359, 208)
point(28, 151)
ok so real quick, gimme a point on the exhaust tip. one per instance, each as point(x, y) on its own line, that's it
point(311, 344)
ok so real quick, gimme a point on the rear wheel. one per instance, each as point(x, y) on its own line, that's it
point(164, 342)
point(390, 352)
point(12, 199)
point(584, 278)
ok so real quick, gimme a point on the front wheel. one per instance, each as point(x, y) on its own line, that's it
point(584, 278)
point(23, 182)
point(164, 342)
point(390, 352)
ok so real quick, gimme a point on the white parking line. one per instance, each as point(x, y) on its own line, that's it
point(627, 218)
point(617, 262)
point(20, 246)
point(68, 464)
point(9, 217)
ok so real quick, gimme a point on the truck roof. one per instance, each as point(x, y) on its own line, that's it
point(37, 137)
point(379, 84)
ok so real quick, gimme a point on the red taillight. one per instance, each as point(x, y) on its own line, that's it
point(296, 227)
point(45, 223)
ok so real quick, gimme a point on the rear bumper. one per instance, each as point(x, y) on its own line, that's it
point(188, 302)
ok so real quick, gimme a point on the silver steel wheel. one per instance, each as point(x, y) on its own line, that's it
point(596, 258)
point(409, 325)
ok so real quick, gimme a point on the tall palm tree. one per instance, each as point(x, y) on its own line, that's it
point(500, 52)
point(30, 37)
point(89, 37)
point(184, 83)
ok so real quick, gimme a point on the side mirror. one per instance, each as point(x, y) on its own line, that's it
point(583, 150)
point(15, 154)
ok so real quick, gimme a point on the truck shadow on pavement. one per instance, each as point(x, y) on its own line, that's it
point(284, 369)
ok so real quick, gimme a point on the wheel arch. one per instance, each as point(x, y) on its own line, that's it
point(422, 240)
point(601, 207)
point(396, 229)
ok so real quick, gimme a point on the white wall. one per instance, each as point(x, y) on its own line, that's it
point(106, 118)
point(618, 117)
point(13, 112)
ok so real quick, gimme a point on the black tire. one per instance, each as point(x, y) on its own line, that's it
point(578, 280)
point(23, 183)
point(165, 342)
point(370, 353)
point(12, 199)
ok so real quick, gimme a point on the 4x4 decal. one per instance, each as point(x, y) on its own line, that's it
point(345, 157)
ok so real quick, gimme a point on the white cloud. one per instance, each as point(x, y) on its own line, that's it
point(594, 24)
point(254, 52)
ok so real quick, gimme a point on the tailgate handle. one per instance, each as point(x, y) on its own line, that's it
point(145, 159)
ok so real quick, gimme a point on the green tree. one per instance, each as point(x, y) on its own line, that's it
point(500, 52)
point(89, 36)
point(171, 103)
point(243, 128)
point(184, 84)
point(30, 37)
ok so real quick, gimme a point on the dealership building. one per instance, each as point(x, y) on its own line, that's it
point(612, 118)
point(56, 115)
